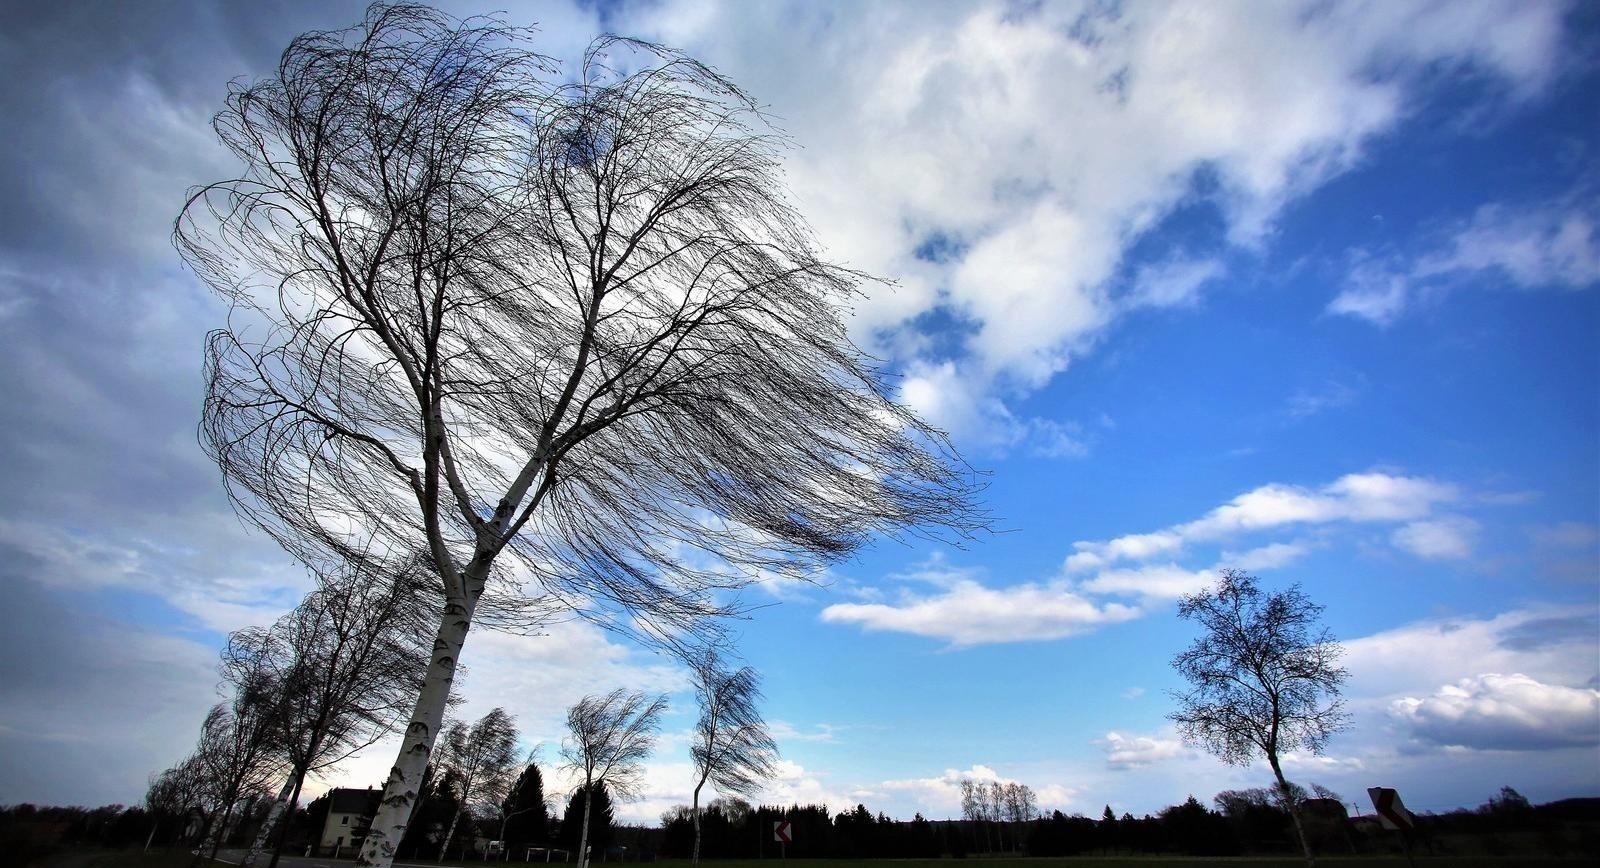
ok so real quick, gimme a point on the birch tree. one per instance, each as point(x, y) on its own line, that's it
point(234, 758)
point(483, 758)
point(560, 335)
point(607, 741)
point(732, 748)
point(1264, 680)
point(349, 659)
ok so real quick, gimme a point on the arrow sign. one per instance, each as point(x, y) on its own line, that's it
point(1391, 813)
point(780, 832)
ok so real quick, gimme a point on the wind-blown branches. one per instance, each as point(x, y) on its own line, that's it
point(608, 739)
point(482, 311)
point(732, 748)
point(348, 661)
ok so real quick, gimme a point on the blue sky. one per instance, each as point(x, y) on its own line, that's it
point(1307, 289)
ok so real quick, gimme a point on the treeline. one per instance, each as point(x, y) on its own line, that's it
point(1240, 822)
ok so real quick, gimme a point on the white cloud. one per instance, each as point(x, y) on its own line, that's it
point(1032, 148)
point(1448, 537)
point(1175, 283)
point(1357, 497)
point(963, 404)
point(1267, 557)
point(1162, 582)
point(968, 613)
point(965, 611)
point(1505, 712)
point(1552, 245)
point(1330, 395)
point(1558, 646)
point(1131, 750)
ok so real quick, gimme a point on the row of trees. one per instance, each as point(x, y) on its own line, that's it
point(1242, 822)
point(332, 676)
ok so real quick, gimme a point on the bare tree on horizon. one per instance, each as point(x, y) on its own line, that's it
point(349, 661)
point(1263, 678)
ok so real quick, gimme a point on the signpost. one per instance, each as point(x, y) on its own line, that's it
point(1393, 815)
point(782, 834)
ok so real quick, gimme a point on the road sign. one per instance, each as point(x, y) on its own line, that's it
point(1391, 813)
point(781, 833)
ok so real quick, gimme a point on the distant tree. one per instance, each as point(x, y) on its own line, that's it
point(731, 746)
point(607, 741)
point(1263, 679)
point(1021, 807)
point(560, 331)
point(1195, 831)
point(172, 794)
point(348, 661)
point(483, 758)
point(239, 749)
point(523, 815)
point(438, 802)
point(1107, 830)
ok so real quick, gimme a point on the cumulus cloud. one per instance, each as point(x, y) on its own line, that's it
point(1551, 645)
point(1503, 712)
point(1130, 750)
point(1238, 109)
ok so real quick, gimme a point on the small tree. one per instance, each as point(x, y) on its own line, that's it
point(1263, 678)
point(609, 738)
point(348, 660)
point(732, 748)
point(483, 757)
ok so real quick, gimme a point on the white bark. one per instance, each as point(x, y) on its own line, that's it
point(454, 819)
point(583, 837)
point(405, 777)
point(259, 848)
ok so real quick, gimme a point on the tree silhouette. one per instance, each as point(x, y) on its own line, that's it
point(608, 739)
point(523, 814)
point(731, 746)
point(481, 757)
point(1263, 678)
point(547, 331)
point(346, 662)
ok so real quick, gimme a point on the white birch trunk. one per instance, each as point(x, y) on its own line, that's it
point(259, 848)
point(405, 777)
point(583, 837)
point(454, 819)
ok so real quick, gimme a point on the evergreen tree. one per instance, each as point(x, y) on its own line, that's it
point(600, 823)
point(527, 824)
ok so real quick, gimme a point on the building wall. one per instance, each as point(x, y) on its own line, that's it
point(343, 830)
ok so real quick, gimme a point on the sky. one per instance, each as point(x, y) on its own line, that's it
point(1305, 289)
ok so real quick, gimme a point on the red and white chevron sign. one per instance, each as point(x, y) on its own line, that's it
point(780, 832)
point(1391, 813)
